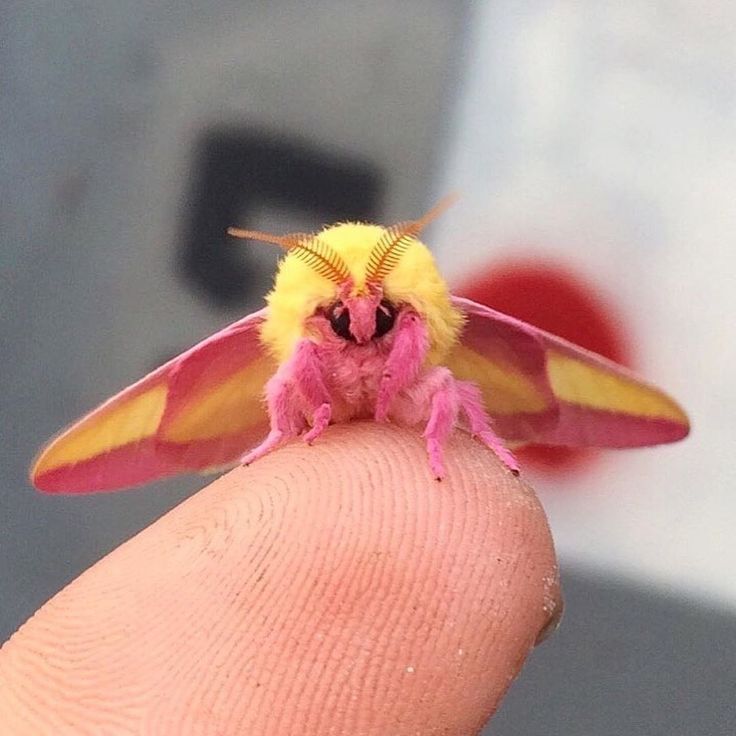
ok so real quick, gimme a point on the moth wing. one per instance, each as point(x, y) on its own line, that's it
point(201, 410)
point(540, 388)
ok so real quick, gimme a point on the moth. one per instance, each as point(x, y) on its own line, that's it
point(359, 325)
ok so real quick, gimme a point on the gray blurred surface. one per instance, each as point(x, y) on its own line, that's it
point(626, 661)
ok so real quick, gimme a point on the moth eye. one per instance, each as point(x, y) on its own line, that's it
point(385, 318)
point(340, 321)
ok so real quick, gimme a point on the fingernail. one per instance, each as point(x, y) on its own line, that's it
point(553, 623)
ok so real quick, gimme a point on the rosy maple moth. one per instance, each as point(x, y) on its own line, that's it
point(359, 325)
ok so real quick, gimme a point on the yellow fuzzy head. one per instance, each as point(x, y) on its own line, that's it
point(300, 289)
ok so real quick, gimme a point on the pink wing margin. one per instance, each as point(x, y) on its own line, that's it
point(200, 410)
point(540, 388)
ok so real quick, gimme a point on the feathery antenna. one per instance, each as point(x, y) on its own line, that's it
point(319, 256)
point(391, 247)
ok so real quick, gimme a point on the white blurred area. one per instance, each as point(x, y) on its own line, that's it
point(605, 135)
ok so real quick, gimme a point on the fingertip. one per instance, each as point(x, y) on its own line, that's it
point(329, 589)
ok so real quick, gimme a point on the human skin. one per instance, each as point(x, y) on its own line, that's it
point(336, 590)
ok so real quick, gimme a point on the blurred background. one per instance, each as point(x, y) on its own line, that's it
point(594, 148)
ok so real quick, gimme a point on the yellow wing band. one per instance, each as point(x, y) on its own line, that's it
point(505, 389)
point(229, 407)
point(587, 385)
point(131, 420)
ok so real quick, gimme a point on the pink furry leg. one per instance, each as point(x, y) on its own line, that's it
point(320, 420)
point(306, 368)
point(471, 402)
point(442, 418)
point(404, 362)
point(296, 386)
point(287, 421)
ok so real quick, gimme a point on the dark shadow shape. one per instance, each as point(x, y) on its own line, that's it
point(236, 169)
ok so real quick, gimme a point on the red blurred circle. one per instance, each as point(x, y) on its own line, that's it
point(551, 297)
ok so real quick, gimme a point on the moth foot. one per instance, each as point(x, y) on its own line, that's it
point(319, 423)
point(381, 413)
point(491, 441)
point(436, 464)
point(274, 439)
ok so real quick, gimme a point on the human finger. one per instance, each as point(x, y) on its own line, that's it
point(334, 589)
